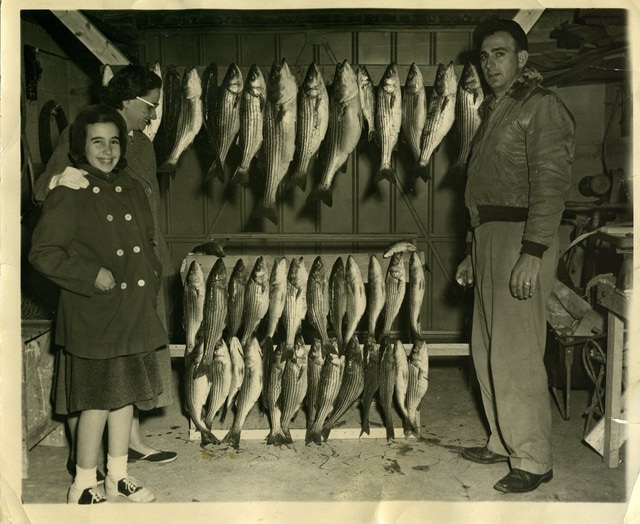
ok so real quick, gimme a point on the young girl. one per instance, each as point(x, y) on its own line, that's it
point(97, 245)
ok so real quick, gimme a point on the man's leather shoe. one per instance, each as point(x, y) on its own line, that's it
point(483, 456)
point(520, 481)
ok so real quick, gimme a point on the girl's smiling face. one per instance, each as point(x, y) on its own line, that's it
point(102, 148)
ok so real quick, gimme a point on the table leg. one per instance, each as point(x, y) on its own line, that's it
point(613, 390)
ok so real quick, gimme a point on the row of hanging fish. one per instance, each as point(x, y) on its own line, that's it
point(285, 124)
point(227, 366)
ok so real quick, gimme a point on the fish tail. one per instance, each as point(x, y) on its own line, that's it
point(313, 435)
point(207, 437)
point(385, 173)
point(325, 431)
point(233, 438)
point(328, 348)
point(297, 178)
point(423, 172)
point(269, 213)
point(241, 176)
point(390, 433)
point(365, 427)
point(216, 170)
point(324, 194)
point(287, 436)
point(275, 438)
point(408, 426)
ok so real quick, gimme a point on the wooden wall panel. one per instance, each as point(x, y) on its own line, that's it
point(375, 47)
point(220, 48)
point(414, 47)
point(451, 46)
point(257, 48)
point(180, 49)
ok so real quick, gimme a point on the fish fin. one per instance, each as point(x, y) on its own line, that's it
point(232, 437)
point(390, 434)
point(270, 213)
point(365, 428)
point(325, 432)
point(408, 427)
point(423, 172)
point(241, 176)
point(287, 436)
point(207, 437)
point(313, 435)
point(324, 194)
point(385, 173)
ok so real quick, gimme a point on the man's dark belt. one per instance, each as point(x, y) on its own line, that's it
point(501, 214)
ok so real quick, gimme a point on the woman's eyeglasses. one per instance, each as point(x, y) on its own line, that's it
point(155, 106)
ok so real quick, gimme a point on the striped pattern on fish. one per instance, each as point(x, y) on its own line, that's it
point(402, 378)
point(277, 293)
point(215, 305)
point(337, 299)
point(171, 104)
point(371, 364)
point(279, 135)
point(220, 381)
point(351, 387)
point(416, 295)
point(226, 119)
point(273, 390)
point(152, 128)
point(367, 100)
point(377, 294)
point(294, 386)
point(295, 302)
point(313, 121)
point(356, 298)
point(388, 119)
point(193, 305)
point(189, 120)
point(467, 120)
point(414, 110)
point(256, 299)
point(395, 285)
point(440, 115)
point(237, 370)
point(318, 299)
point(252, 105)
point(197, 388)
point(330, 379)
point(209, 95)
point(386, 385)
point(249, 393)
point(236, 289)
point(418, 383)
point(314, 368)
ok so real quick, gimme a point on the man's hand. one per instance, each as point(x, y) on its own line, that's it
point(104, 280)
point(464, 273)
point(524, 276)
point(71, 177)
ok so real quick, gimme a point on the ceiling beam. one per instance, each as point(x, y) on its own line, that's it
point(527, 18)
point(92, 38)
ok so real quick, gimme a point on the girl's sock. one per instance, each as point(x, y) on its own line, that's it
point(117, 467)
point(85, 478)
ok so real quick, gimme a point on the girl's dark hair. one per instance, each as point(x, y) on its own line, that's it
point(96, 114)
point(129, 82)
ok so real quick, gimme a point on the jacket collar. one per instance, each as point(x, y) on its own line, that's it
point(112, 177)
point(528, 80)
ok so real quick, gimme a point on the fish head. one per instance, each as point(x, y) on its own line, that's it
point(396, 267)
point(278, 272)
point(218, 273)
point(255, 83)
point(192, 84)
point(317, 273)
point(294, 267)
point(375, 270)
point(232, 81)
point(253, 354)
point(390, 81)
point(354, 350)
point(446, 83)
point(259, 273)
point(470, 80)
point(195, 277)
point(345, 83)
point(313, 80)
point(414, 81)
point(282, 85)
point(337, 271)
point(363, 76)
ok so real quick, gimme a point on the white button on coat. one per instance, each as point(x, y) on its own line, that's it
point(123, 285)
point(110, 218)
point(128, 217)
point(136, 249)
point(141, 282)
point(120, 252)
point(118, 189)
point(96, 189)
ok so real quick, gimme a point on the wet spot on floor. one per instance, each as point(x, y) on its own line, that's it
point(393, 467)
point(175, 427)
point(404, 449)
point(421, 468)
point(433, 441)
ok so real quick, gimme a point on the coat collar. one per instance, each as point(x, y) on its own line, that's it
point(528, 80)
point(114, 176)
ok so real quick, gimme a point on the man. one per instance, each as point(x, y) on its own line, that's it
point(519, 175)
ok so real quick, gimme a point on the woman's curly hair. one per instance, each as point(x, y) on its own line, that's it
point(129, 82)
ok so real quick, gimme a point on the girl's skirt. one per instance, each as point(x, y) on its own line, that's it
point(83, 383)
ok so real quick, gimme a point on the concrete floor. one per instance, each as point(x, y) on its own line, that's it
point(351, 470)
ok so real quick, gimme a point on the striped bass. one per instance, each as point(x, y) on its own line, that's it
point(197, 388)
point(236, 353)
point(414, 110)
point(189, 120)
point(226, 119)
point(356, 298)
point(249, 391)
point(345, 128)
point(236, 290)
point(256, 299)
point(367, 100)
point(469, 99)
point(395, 286)
point(386, 385)
point(313, 121)
point(330, 379)
point(252, 104)
point(418, 383)
point(193, 305)
point(279, 135)
point(337, 299)
point(294, 386)
point(295, 302)
point(273, 389)
point(152, 128)
point(318, 299)
point(401, 246)
point(351, 385)
point(171, 103)
point(215, 305)
point(314, 368)
point(402, 379)
point(377, 294)
point(441, 112)
point(220, 381)
point(416, 295)
point(209, 95)
point(388, 119)
point(277, 292)
point(371, 364)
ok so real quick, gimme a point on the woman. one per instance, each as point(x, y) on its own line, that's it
point(134, 92)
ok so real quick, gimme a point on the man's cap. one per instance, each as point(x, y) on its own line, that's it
point(491, 26)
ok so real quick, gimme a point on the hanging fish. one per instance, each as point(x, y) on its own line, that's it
point(469, 99)
point(395, 285)
point(414, 110)
point(193, 305)
point(171, 104)
point(367, 100)
point(388, 119)
point(152, 128)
